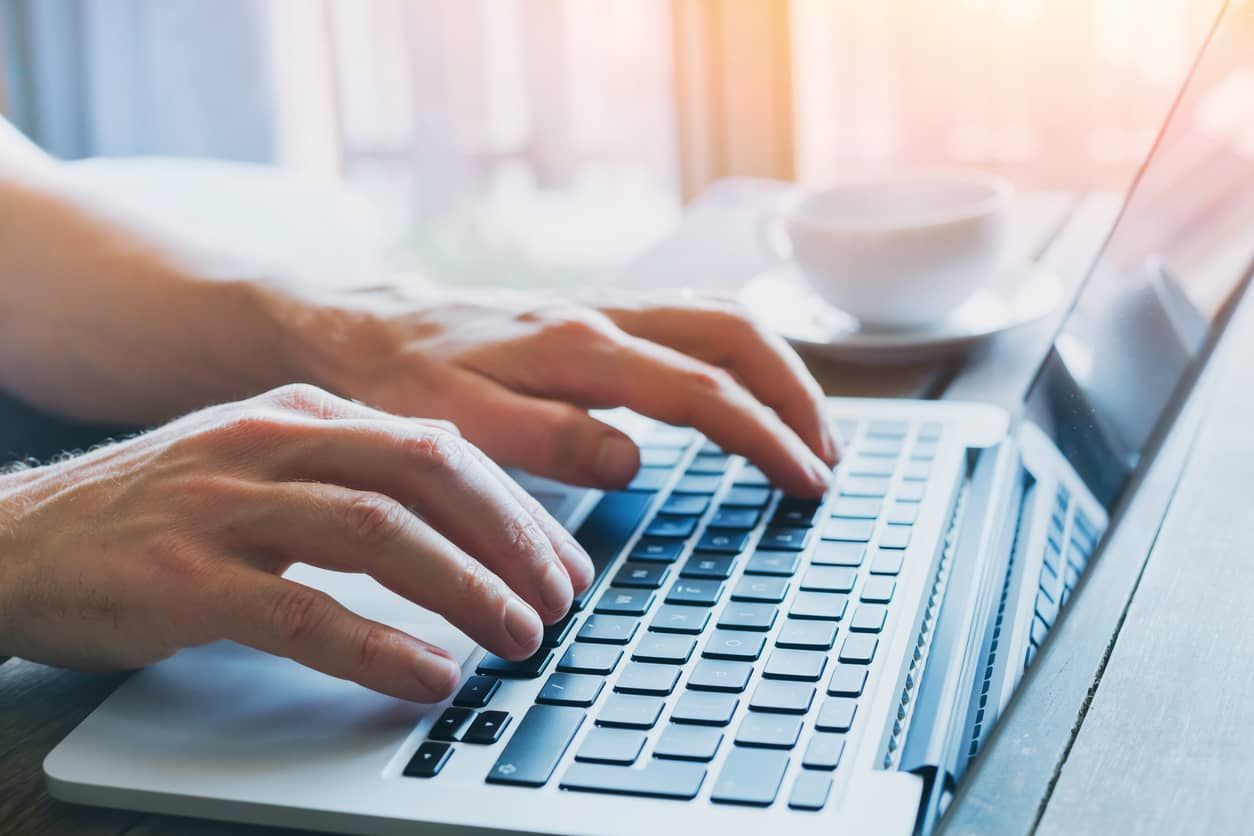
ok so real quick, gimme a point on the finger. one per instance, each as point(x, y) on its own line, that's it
point(440, 476)
point(723, 335)
point(545, 437)
point(678, 389)
point(288, 619)
point(346, 530)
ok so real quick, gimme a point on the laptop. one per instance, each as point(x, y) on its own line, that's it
point(749, 661)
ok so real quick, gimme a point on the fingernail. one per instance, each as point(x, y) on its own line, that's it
point(821, 473)
point(555, 589)
point(616, 461)
point(578, 564)
point(831, 450)
point(437, 673)
point(523, 625)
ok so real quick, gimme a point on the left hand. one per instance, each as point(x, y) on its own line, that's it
point(518, 371)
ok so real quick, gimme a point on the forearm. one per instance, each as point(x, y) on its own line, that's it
point(103, 322)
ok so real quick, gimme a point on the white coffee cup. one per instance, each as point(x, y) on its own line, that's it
point(897, 252)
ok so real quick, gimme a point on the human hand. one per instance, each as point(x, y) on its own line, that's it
point(176, 538)
point(517, 372)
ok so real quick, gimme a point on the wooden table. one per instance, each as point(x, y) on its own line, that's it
point(1135, 716)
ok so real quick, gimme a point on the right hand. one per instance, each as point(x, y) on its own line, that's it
point(176, 538)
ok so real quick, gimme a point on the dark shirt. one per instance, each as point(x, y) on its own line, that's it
point(27, 433)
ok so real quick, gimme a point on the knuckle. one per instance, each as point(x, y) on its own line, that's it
point(478, 585)
point(437, 449)
point(302, 397)
point(297, 612)
point(523, 535)
point(373, 517)
point(371, 644)
point(580, 325)
point(251, 428)
point(710, 379)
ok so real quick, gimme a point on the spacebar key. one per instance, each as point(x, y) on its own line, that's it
point(607, 529)
point(537, 746)
point(659, 779)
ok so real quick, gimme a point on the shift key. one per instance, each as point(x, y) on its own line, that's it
point(537, 746)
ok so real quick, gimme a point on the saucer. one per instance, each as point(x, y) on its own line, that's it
point(786, 303)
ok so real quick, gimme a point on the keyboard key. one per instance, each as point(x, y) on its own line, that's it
point(854, 531)
point(641, 575)
point(911, 492)
point(903, 513)
point(895, 537)
point(608, 629)
point(704, 708)
point(556, 633)
point(735, 645)
point(885, 428)
point(723, 542)
point(715, 566)
point(887, 562)
point(650, 479)
point(917, 471)
point(428, 760)
point(704, 485)
point(868, 618)
point(870, 466)
point(647, 679)
point(660, 456)
point(746, 497)
point(719, 675)
point(878, 590)
point(1046, 610)
point(664, 648)
point(823, 606)
point(758, 617)
point(870, 487)
point(857, 507)
point(769, 731)
point(528, 668)
point(674, 528)
point(829, 579)
point(750, 475)
point(679, 619)
point(886, 448)
point(449, 725)
point(620, 746)
point(782, 697)
point(807, 635)
point(859, 649)
point(685, 505)
point(930, 431)
point(487, 728)
point(709, 463)
point(801, 665)
point(750, 777)
point(796, 513)
point(476, 691)
point(785, 539)
point(658, 779)
point(688, 743)
point(625, 602)
point(810, 790)
point(740, 519)
point(925, 451)
point(630, 711)
point(607, 529)
point(571, 689)
point(836, 714)
point(830, 553)
point(695, 593)
point(824, 751)
point(759, 588)
point(536, 746)
point(846, 680)
point(666, 435)
point(664, 551)
point(783, 564)
point(590, 658)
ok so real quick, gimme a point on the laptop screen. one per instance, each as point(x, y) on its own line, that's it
point(1174, 264)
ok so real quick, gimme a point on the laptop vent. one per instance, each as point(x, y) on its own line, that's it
point(977, 729)
point(918, 660)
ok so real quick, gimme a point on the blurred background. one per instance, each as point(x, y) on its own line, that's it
point(486, 131)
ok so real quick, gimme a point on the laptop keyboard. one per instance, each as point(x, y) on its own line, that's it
point(741, 620)
point(1073, 534)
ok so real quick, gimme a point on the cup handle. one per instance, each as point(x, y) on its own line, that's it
point(773, 237)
